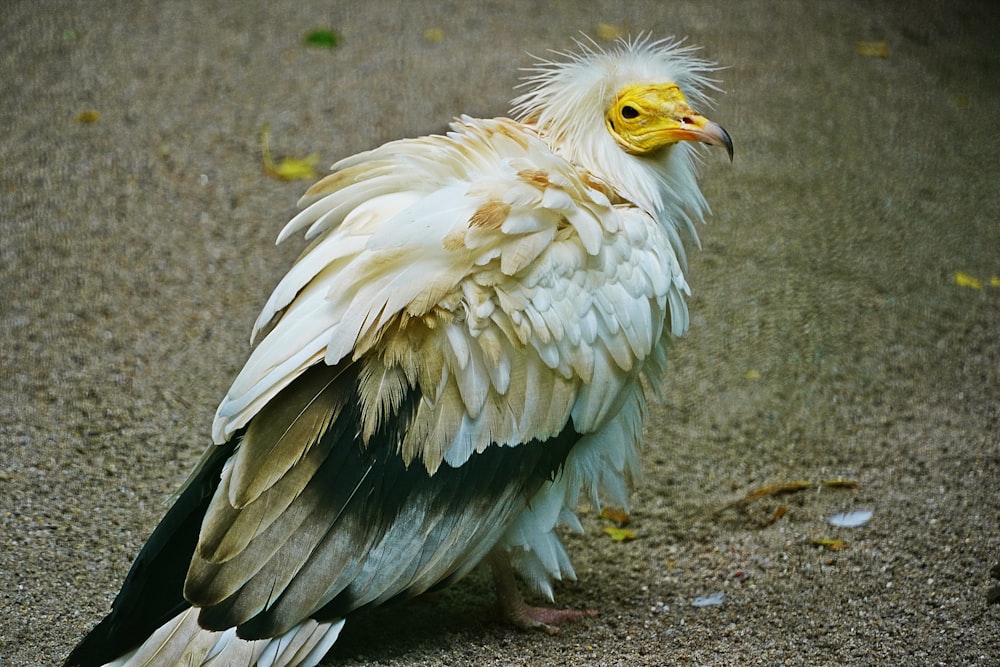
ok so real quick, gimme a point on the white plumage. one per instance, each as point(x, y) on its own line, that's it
point(453, 360)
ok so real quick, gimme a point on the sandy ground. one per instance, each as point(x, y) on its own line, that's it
point(830, 339)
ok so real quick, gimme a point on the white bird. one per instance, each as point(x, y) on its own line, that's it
point(456, 357)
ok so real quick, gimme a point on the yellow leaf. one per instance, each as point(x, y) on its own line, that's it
point(433, 35)
point(965, 280)
point(296, 169)
point(88, 116)
point(288, 169)
point(608, 32)
point(994, 281)
point(839, 483)
point(829, 543)
point(752, 374)
point(775, 490)
point(618, 516)
point(619, 534)
point(872, 49)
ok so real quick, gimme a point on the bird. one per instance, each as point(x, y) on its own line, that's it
point(461, 355)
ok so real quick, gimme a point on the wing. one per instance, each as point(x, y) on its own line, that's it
point(350, 526)
point(470, 310)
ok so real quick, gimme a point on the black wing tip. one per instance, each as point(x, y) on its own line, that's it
point(152, 591)
point(96, 648)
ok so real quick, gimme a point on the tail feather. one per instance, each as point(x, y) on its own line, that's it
point(181, 641)
point(152, 624)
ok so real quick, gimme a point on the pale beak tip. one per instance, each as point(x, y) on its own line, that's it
point(713, 134)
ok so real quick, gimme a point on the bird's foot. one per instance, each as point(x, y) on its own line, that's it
point(520, 614)
point(546, 619)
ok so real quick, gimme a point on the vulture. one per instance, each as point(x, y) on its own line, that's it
point(459, 357)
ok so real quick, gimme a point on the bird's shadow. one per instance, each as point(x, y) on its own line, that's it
point(406, 627)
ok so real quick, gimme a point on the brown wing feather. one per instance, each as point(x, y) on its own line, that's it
point(282, 434)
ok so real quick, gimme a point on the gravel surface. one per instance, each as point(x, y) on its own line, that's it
point(830, 338)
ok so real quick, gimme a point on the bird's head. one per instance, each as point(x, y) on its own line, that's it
point(647, 117)
point(628, 115)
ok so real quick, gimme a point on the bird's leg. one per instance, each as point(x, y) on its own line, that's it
point(513, 607)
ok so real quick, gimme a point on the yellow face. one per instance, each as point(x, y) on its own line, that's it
point(646, 118)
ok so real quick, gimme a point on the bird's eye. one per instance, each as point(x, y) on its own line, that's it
point(629, 112)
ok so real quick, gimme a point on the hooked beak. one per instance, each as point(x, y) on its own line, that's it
point(698, 128)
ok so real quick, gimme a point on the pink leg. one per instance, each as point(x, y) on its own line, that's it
point(516, 611)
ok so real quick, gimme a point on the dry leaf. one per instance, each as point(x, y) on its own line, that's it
point(872, 49)
point(839, 483)
point(965, 280)
point(88, 116)
point(829, 543)
point(778, 513)
point(609, 32)
point(295, 169)
point(288, 169)
point(774, 490)
point(618, 516)
point(619, 534)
